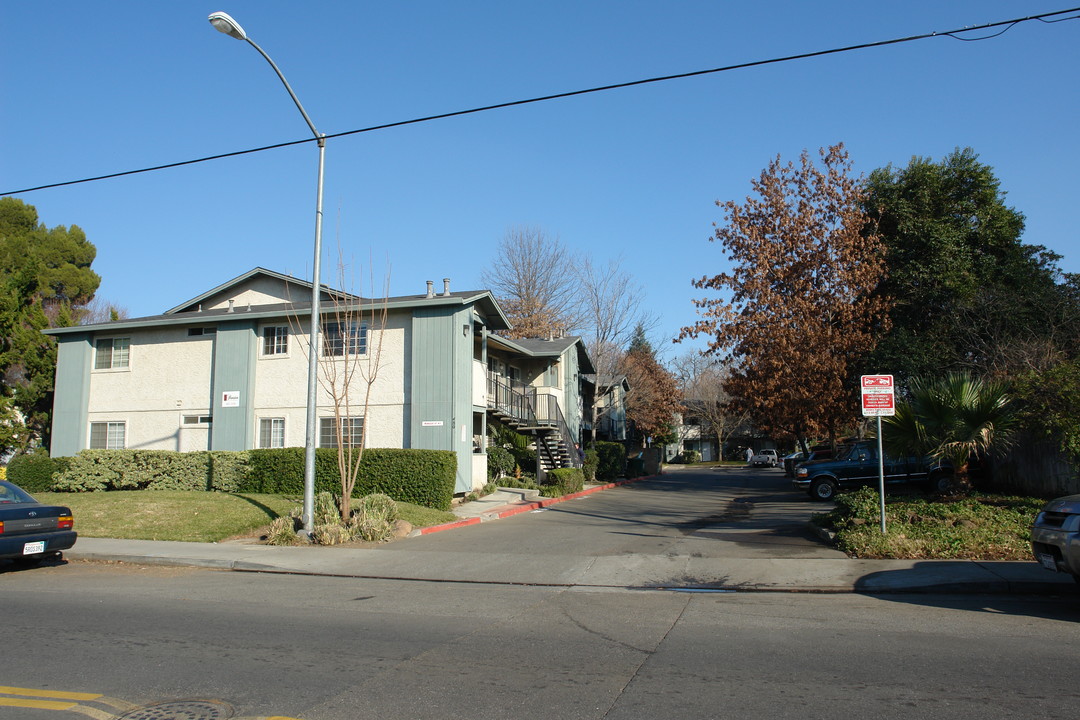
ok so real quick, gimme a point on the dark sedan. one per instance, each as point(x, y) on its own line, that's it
point(30, 531)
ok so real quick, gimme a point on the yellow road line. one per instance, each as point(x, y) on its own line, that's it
point(39, 704)
point(57, 694)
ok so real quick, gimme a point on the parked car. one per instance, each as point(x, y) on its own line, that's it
point(795, 458)
point(30, 531)
point(857, 464)
point(1055, 536)
point(765, 458)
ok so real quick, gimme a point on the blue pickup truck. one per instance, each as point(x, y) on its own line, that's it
point(856, 464)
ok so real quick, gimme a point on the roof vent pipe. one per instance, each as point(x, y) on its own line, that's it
point(446, 287)
point(430, 289)
point(231, 305)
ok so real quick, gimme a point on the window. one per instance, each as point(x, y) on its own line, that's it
point(275, 340)
point(551, 375)
point(107, 436)
point(334, 338)
point(196, 332)
point(112, 353)
point(198, 419)
point(352, 430)
point(272, 432)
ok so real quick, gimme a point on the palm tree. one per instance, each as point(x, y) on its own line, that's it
point(954, 417)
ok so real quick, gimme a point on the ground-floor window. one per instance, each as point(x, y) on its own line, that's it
point(108, 435)
point(272, 432)
point(352, 432)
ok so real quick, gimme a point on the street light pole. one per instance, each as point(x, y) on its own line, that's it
point(225, 24)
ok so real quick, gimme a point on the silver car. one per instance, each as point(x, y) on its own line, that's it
point(1055, 536)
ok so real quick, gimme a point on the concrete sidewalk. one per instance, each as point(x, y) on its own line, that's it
point(597, 571)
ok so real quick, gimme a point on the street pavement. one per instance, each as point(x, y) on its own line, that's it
point(776, 568)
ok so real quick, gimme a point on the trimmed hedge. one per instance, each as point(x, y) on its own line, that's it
point(421, 477)
point(611, 460)
point(34, 472)
point(563, 481)
point(95, 470)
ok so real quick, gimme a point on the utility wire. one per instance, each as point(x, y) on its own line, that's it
point(1006, 25)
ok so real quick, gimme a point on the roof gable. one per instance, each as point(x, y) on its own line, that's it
point(255, 288)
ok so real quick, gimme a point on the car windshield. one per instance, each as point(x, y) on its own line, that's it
point(13, 494)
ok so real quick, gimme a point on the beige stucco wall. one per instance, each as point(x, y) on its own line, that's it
point(168, 376)
point(258, 291)
point(281, 385)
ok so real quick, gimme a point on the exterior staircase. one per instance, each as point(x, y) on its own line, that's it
point(536, 414)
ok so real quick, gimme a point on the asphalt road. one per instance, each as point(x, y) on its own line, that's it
point(324, 648)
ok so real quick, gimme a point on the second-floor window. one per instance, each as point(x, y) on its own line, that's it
point(112, 353)
point(275, 340)
point(551, 375)
point(334, 338)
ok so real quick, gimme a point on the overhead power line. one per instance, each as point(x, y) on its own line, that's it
point(1005, 26)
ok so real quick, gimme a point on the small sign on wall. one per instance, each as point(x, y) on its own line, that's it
point(230, 398)
point(432, 423)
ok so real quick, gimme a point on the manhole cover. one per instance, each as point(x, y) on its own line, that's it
point(181, 710)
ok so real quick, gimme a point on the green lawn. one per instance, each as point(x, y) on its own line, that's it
point(191, 516)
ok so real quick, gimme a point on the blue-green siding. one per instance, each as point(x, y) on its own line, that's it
point(234, 371)
point(72, 396)
point(441, 386)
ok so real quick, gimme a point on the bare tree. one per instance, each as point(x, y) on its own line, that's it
point(100, 310)
point(534, 280)
point(702, 383)
point(798, 309)
point(611, 307)
point(350, 357)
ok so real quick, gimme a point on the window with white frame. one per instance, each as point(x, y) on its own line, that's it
point(108, 435)
point(272, 432)
point(334, 335)
point(352, 432)
point(275, 340)
point(112, 353)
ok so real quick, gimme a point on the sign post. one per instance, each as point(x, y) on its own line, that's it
point(878, 399)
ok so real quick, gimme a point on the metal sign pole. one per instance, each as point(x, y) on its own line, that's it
point(881, 474)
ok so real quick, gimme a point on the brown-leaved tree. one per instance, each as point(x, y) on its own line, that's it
point(798, 308)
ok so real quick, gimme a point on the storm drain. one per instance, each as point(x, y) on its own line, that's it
point(181, 710)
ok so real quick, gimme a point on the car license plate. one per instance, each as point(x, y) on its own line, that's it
point(33, 548)
point(1047, 561)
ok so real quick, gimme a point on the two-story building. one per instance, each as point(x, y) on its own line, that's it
point(227, 370)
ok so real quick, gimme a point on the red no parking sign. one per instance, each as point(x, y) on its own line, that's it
point(877, 395)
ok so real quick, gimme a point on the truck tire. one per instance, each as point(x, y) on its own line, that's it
point(823, 489)
point(940, 483)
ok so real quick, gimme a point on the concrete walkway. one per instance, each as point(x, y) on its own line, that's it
point(686, 573)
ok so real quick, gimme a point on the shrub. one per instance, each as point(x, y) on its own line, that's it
point(500, 462)
point(691, 456)
point(563, 481)
point(588, 468)
point(282, 531)
point(421, 477)
point(611, 460)
point(34, 472)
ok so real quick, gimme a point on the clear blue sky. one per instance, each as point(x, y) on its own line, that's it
point(92, 88)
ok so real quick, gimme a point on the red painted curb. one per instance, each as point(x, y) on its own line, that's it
point(448, 526)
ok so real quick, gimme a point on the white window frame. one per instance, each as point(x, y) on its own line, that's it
point(278, 343)
point(275, 432)
point(333, 344)
point(115, 435)
point(328, 434)
point(116, 353)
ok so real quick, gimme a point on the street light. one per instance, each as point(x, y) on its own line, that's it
point(225, 24)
